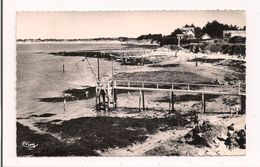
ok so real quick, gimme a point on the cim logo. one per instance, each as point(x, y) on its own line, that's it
point(28, 145)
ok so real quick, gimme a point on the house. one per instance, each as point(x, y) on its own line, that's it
point(227, 34)
point(206, 37)
point(188, 32)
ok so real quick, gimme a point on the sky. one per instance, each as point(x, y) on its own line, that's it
point(75, 25)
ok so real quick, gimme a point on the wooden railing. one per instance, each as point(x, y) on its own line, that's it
point(180, 87)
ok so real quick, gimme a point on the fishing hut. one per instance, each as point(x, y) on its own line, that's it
point(105, 92)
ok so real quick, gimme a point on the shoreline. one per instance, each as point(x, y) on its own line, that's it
point(131, 129)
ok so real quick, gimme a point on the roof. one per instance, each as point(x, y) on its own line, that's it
point(206, 36)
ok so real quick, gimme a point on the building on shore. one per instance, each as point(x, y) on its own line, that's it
point(206, 37)
point(188, 32)
point(227, 34)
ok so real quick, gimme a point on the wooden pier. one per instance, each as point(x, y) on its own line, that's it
point(111, 88)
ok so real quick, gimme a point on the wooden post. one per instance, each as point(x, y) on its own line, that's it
point(96, 99)
point(172, 102)
point(143, 100)
point(99, 96)
point(203, 103)
point(243, 104)
point(108, 99)
point(98, 71)
point(140, 99)
point(115, 98)
point(169, 101)
point(63, 68)
point(113, 69)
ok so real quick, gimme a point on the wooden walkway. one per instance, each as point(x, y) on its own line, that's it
point(143, 86)
point(238, 90)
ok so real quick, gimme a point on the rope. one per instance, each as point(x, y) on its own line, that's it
point(91, 69)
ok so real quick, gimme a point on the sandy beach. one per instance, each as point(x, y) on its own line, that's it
point(126, 131)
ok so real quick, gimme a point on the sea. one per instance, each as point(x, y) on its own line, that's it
point(40, 75)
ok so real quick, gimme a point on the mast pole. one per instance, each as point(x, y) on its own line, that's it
point(98, 71)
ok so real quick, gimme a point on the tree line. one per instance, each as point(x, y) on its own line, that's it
point(214, 29)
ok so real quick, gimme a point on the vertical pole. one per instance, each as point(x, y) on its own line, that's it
point(140, 99)
point(108, 99)
point(169, 101)
point(243, 104)
point(143, 100)
point(172, 102)
point(98, 71)
point(112, 69)
point(96, 99)
point(203, 103)
point(113, 84)
point(115, 98)
point(99, 96)
point(64, 103)
point(113, 95)
point(63, 68)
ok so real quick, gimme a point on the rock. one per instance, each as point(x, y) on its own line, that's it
point(241, 138)
point(204, 134)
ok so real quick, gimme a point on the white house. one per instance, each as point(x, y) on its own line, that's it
point(188, 32)
point(206, 37)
